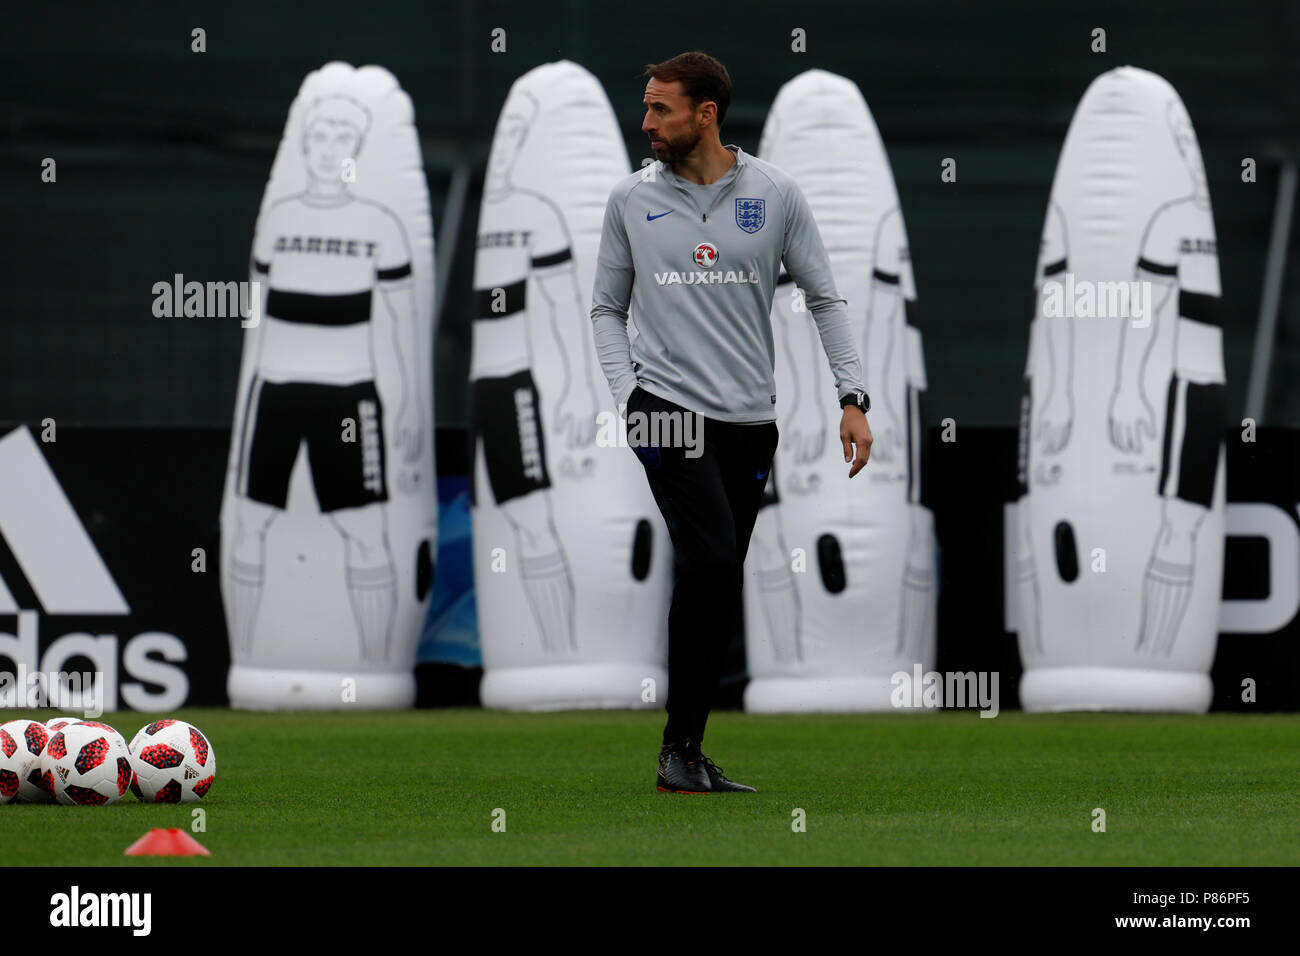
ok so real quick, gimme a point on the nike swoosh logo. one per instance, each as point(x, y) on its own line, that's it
point(650, 218)
point(763, 474)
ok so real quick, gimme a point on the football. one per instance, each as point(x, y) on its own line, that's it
point(86, 763)
point(40, 781)
point(172, 761)
point(21, 744)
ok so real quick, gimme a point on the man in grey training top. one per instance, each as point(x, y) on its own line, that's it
point(695, 243)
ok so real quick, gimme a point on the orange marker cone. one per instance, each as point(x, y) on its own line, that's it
point(170, 842)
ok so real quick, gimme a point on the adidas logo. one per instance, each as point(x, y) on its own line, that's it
point(190, 772)
point(53, 568)
point(37, 520)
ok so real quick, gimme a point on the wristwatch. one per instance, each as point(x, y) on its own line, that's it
point(860, 399)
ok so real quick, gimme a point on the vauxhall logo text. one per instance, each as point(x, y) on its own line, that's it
point(705, 278)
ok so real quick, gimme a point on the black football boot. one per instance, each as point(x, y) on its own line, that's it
point(720, 784)
point(681, 768)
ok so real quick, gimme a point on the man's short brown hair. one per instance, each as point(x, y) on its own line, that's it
point(703, 78)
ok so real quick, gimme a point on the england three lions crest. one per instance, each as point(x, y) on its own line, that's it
point(750, 214)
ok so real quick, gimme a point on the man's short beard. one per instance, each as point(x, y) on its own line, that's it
point(674, 151)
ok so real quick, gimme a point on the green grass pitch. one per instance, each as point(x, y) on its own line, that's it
point(577, 788)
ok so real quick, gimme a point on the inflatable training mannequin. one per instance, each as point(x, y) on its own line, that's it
point(840, 578)
point(1120, 534)
point(572, 571)
point(329, 517)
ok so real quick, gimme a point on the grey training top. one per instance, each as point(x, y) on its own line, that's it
point(699, 267)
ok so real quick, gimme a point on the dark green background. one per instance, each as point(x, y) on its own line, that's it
point(163, 155)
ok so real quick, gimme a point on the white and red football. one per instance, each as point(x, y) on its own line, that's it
point(86, 763)
point(173, 762)
point(21, 744)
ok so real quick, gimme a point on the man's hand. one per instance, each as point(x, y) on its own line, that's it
point(408, 433)
point(1130, 415)
point(577, 418)
point(1055, 421)
point(855, 432)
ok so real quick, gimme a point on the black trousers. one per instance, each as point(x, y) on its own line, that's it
point(709, 503)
